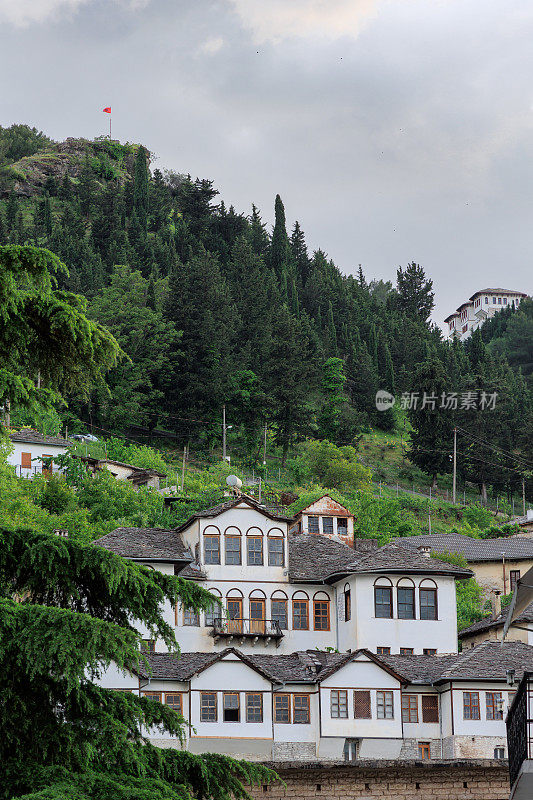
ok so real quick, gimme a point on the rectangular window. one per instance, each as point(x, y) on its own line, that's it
point(312, 524)
point(347, 605)
point(208, 706)
point(191, 617)
point(174, 700)
point(406, 651)
point(430, 708)
point(301, 709)
point(231, 706)
point(383, 601)
point(428, 604)
point(213, 616)
point(254, 707)
point(300, 615)
point(254, 549)
point(148, 645)
point(429, 651)
point(257, 615)
point(385, 705)
point(152, 696)
point(493, 301)
point(327, 525)
point(279, 613)
point(276, 546)
point(321, 615)
point(361, 704)
point(212, 549)
point(499, 752)
point(234, 606)
point(499, 301)
point(339, 704)
point(342, 526)
point(406, 602)
point(494, 705)
point(282, 708)
point(25, 460)
point(471, 705)
point(233, 549)
point(514, 577)
point(383, 651)
point(409, 708)
point(505, 301)
point(424, 751)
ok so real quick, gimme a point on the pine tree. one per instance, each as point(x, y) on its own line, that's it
point(279, 249)
point(415, 296)
point(299, 256)
point(332, 332)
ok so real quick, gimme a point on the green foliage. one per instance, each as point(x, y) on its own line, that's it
point(138, 455)
point(382, 518)
point(56, 496)
point(75, 621)
point(18, 141)
point(337, 467)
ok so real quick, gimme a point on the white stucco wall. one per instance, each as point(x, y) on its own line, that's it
point(36, 450)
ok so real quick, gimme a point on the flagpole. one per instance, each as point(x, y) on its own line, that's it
point(110, 126)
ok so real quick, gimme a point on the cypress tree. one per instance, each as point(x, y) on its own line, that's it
point(331, 331)
point(299, 256)
point(140, 187)
point(279, 249)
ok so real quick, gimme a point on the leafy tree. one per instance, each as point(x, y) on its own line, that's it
point(56, 495)
point(45, 335)
point(469, 592)
point(76, 620)
point(18, 141)
point(333, 381)
point(415, 295)
point(337, 467)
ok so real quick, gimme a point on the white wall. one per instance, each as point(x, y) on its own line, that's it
point(36, 450)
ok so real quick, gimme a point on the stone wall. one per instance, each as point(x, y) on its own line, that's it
point(390, 780)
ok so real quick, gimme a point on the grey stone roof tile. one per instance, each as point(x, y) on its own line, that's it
point(145, 544)
point(34, 437)
point(512, 547)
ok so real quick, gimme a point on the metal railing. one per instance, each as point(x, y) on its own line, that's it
point(520, 727)
point(247, 627)
point(35, 469)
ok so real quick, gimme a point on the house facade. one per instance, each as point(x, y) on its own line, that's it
point(327, 517)
point(29, 447)
point(316, 651)
point(481, 306)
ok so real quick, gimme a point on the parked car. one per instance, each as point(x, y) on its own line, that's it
point(84, 437)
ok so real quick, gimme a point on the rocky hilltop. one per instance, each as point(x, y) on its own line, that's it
point(108, 159)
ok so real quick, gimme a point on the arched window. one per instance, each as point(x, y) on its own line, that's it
point(347, 602)
point(279, 609)
point(428, 600)
point(211, 537)
point(276, 548)
point(213, 615)
point(383, 607)
point(321, 615)
point(405, 598)
point(234, 606)
point(254, 547)
point(232, 546)
point(300, 611)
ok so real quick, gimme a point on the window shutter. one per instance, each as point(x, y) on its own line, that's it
point(361, 705)
point(25, 460)
point(430, 708)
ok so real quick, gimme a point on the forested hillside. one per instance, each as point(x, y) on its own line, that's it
point(212, 309)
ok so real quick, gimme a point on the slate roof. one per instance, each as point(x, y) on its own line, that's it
point(495, 622)
point(34, 437)
point(513, 547)
point(145, 544)
point(498, 291)
point(214, 511)
point(393, 558)
point(488, 661)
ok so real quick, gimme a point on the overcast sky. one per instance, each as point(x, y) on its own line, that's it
point(394, 130)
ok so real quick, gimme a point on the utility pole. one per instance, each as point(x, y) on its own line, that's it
point(183, 469)
point(524, 495)
point(265, 446)
point(454, 462)
point(429, 518)
point(223, 432)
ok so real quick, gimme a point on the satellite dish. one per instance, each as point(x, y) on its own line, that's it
point(234, 481)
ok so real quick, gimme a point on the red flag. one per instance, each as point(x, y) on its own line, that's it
point(107, 110)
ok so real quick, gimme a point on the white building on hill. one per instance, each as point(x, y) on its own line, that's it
point(482, 305)
point(318, 651)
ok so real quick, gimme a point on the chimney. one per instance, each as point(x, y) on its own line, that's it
point(496, 603)
point(424, 550)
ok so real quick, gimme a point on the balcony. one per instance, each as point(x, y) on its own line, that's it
point(248, 630)
point(520, 740)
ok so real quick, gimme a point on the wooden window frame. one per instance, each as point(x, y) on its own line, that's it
point(336, 701)
point(409, 708)
point(150, 695)
point(367, 703)
point(429, 651)
point(430, 710)
point(424, 751)
point(471, 706)
point(180, 702)
point(343, 523)
point(227, 538)
point(313, 517)
point(255, 538)
point(231, 694)
point(399, 604)
point(279, 696)
point(382, 651)
point(212, 536)
point(384, 694)
point(327, 616)
point(273, 615)
point(193, 615)
point(328, 532)
point(301, 696)
point(150, 648)
point(254, 694)
point(514, 577)
point(25, 460)
point(407, 651)
point(433, 590)
point(347, 605)
point(390, 605)
point(271, 560)
point(305, 601)
point(495, 707)
point(215, 707)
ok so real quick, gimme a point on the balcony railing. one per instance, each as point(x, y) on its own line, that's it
point(247, 629)
point(520, 727)
point(36, 469)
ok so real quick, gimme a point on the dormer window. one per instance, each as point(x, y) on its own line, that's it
point(312, 524)
point(327, 525)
